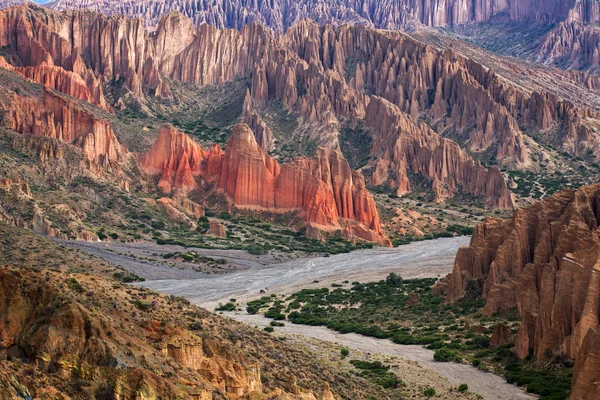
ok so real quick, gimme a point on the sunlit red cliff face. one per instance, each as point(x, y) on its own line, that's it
point(327, 76)
point(324, 189)
point(56, 116)
point(544, 261)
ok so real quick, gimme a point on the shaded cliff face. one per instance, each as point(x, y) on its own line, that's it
point(572, 45)
point(387, 14)
point(324, 188)
point(414, 147)
point(544, 261)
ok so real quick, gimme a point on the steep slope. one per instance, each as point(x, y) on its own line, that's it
point(544, 261)
point(385, 14)
point(76, 332)
point(307, 79)
point(570, 45)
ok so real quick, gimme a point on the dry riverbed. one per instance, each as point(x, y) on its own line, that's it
point(257, 275)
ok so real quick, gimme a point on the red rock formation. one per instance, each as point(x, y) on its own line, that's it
point(405, 146)
point(55, 116)
point(176, 157)
point(324, 188)
point(217, 229)
point(58, 79)
point(541, 261)
point(502, 335)
point(587, 368)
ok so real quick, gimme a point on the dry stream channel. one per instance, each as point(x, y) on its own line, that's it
point(425, 259)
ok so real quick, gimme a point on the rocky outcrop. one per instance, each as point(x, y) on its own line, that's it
point(324, 188)
point(572, 45)
point(587, 368)
point(58, 117)
point(59, 79)
point(544, 261)
point(262, 133)
point(387, 14)
point(501, 336)
point(406, 146)
point(217, 229)
point(176, 157)
point(16, 186)
point(43, 323)
point(326, 76)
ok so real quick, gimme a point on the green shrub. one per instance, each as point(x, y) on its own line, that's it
point(429, 392)
point(269, 329)
point(226, 307)
point(444, 355)
point(344, 352)
point(463, 387)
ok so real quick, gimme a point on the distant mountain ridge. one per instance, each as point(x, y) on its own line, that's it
point(384, 14)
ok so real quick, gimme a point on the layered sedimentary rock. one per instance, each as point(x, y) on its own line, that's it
point(65, 339)
point(414, 147)
point(58, 117)
point(545, 262)
point(176, 157)
point(325, 75)
point(59, 79)
point(572, 45)
point(217, 229)
point(324, 187)
point(388, 14)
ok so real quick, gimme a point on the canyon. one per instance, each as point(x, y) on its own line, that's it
point(385, 14)
point(323, 75)
point(571, 42)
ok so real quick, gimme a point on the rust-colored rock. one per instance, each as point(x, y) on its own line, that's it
point(405, 146)
point(324, 188)
point(176, 157)
point(544, 261)
point(502, 335)
point(58, 117)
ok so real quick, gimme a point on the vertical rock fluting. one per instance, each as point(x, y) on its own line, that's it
point(176, 157)
point(546, 262)
point(58, 117)
point(407, 146)
point(324, 74)
point(324, 188)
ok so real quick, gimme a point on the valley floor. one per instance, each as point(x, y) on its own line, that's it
point(256, 275)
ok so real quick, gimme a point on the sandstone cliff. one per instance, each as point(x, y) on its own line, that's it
point(572, 45)
point(176, 157)
point(325, 75)
point(324, 189)
point(544, 261)
point(59, 117)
